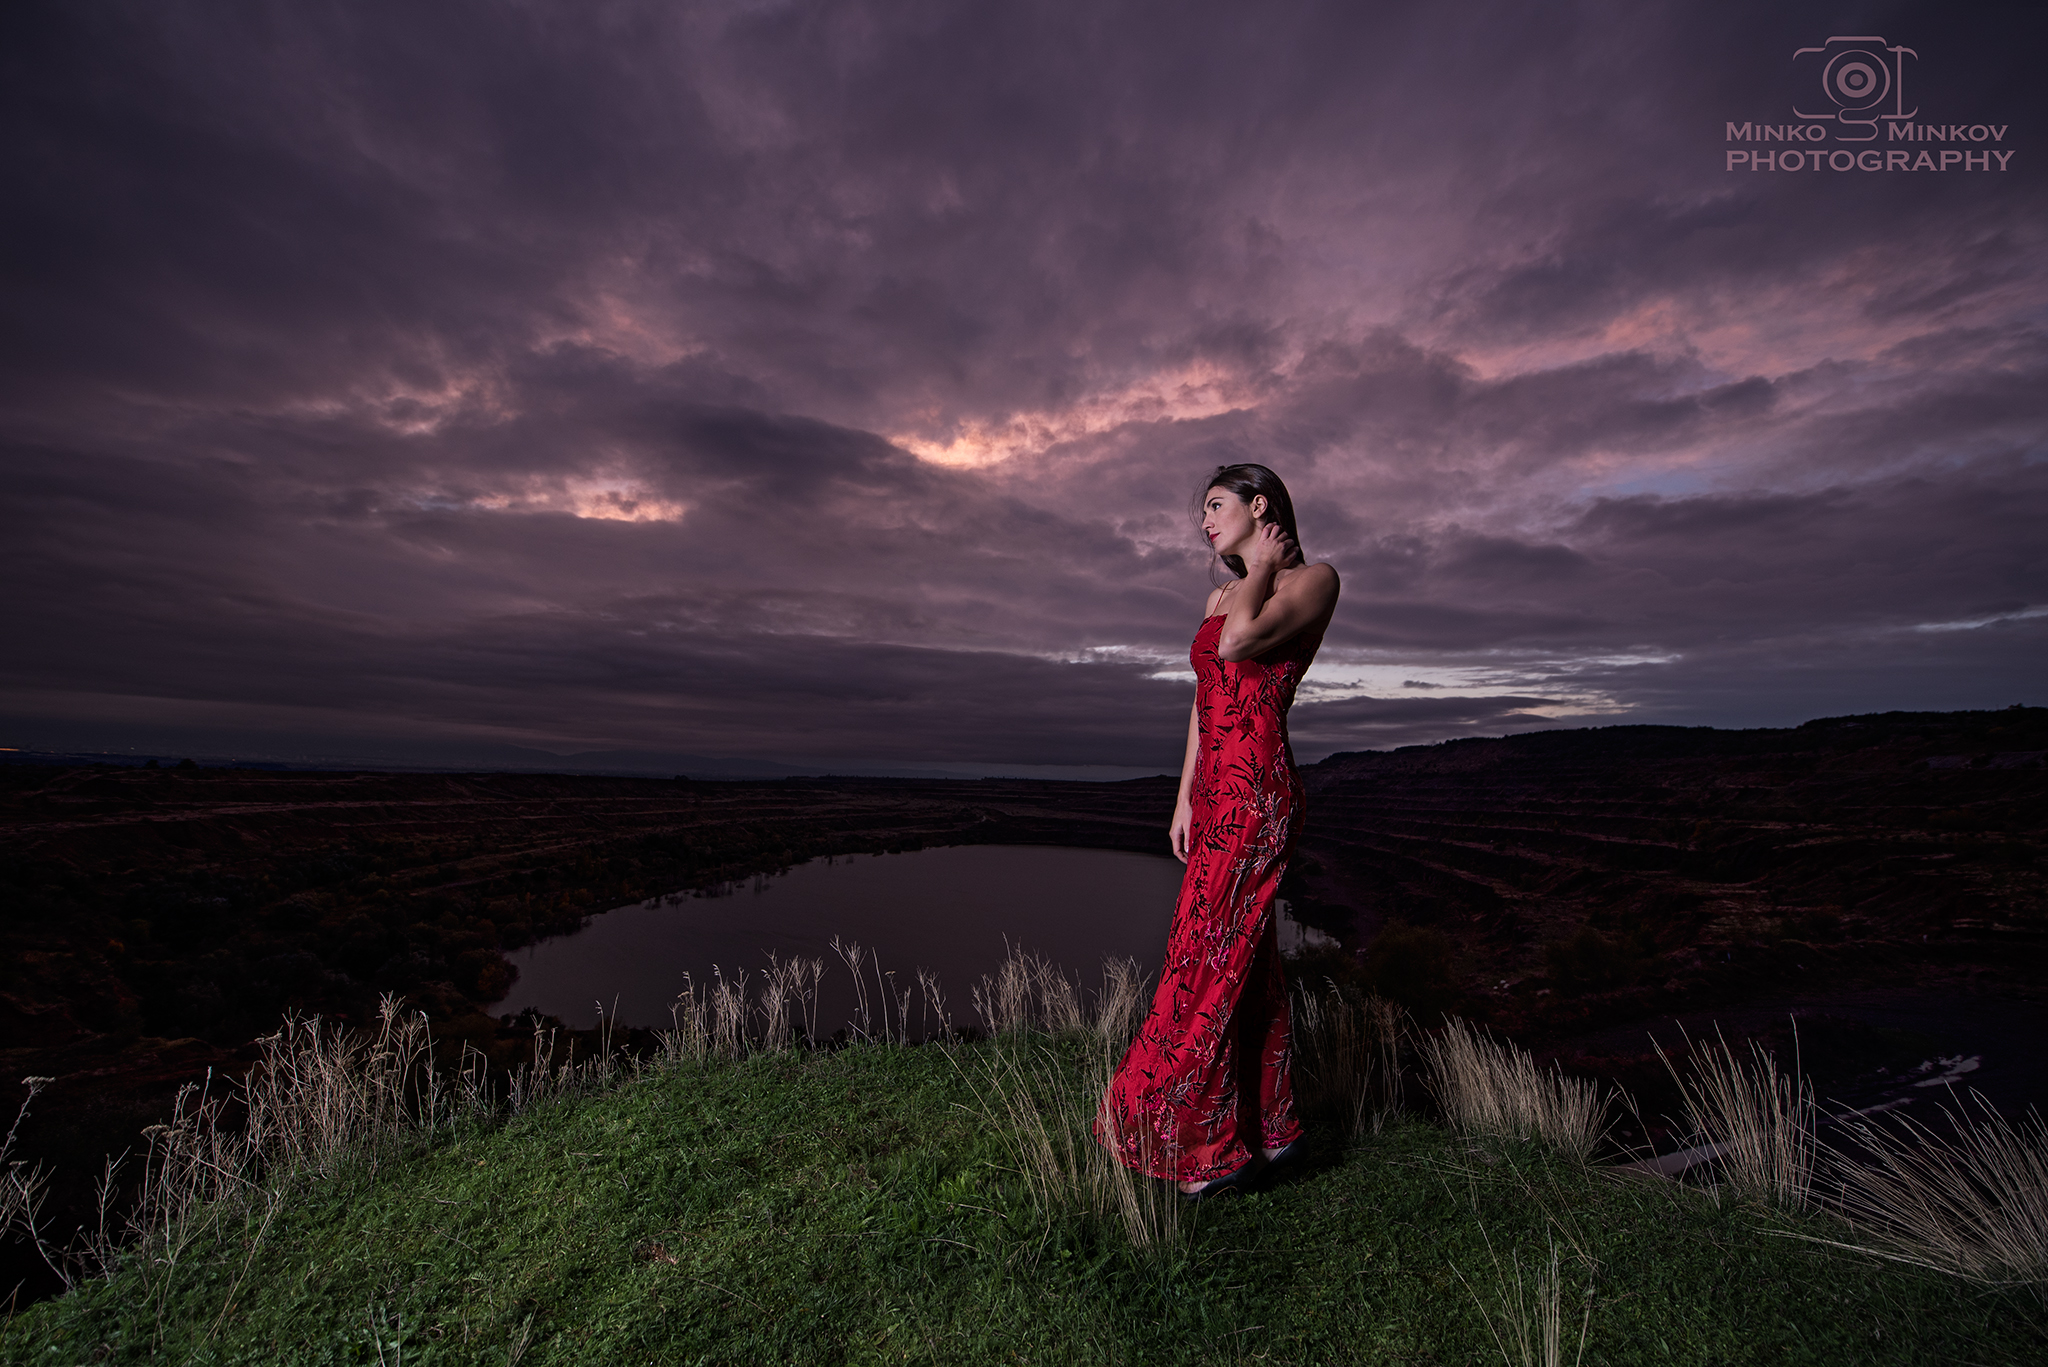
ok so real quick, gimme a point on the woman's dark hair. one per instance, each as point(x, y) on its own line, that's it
point(1248, 481)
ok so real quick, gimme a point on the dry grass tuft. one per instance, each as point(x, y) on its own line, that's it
point(1050, 1117)
point(688, 1038)
point(714, 1020)
point(319, 1091)
point(1347, 1058)
point(1121, 1004)
point(1758, 1121)
point(24, 1189)
point(320, 1097)
point(1529, 1330)
point(1488, 1087)
point(871, 1015)
point(1029, 992)
point(1974, 1204)
point(554, 1070)
point(728, 1013)
point(932, 1007)
point(196, 1174)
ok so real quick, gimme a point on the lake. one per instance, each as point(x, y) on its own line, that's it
point(953, 911)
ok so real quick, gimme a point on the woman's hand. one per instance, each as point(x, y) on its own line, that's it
point(1177, 833)
point(1272, 549)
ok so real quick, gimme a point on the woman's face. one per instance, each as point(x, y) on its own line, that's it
point(1229, 522)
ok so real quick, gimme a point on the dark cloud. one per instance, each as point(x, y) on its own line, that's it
point(790, 379)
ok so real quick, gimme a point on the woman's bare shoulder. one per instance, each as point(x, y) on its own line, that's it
point(1214, 604)
point(1316, 580)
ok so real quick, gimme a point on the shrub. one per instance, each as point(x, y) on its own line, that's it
point(1411, 966)
point(1347, 1058)
point(1589, 961)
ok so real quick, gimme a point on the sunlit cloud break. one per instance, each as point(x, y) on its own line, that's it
point(600, 499)
point(1195, 391)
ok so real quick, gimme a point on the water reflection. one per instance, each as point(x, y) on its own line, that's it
point(1296, 937)
point(953, 911)
point(1869, 1051)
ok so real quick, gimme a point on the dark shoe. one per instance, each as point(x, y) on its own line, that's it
point(1292, 1152)
point(1230, 1181)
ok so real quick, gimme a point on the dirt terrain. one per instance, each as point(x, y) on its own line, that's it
point(1557, 880)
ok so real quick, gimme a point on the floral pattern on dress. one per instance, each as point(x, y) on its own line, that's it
point(1205, 1081)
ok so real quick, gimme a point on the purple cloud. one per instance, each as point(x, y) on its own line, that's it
point(828, 383)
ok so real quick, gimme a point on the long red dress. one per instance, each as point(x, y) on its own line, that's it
point(1205, 1083)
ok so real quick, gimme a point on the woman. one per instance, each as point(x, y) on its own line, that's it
point(1202, 1097)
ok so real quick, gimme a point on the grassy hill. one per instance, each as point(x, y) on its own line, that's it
point(153, 921)
point(868, 1205)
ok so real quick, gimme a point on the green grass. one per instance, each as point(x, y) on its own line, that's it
point(857, 1207)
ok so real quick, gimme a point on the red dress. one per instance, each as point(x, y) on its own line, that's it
point(1205, 1084)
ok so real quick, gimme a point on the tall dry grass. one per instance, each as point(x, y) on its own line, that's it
point(864, 1024)
point(322, 1097)
point(1527, 1318)
point(718, 1019)
point(1967, 1196)
point(1049, 1112)
point(1029, 992)
point(198, 1177)
point(1048, 1116)
point(1488, 1087)
point(315, 1092)
point(318, 1091)
point(1758, 1122)
point(24, 1188)
point(318, 1094)
point(1347, 1058)
point(789, 1001)
point(1121, 1004)
point(1972, 1201)
point(884, 1016)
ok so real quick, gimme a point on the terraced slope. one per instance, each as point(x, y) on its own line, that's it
point(1633, 867)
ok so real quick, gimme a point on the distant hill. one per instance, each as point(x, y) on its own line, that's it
point(493, 759)
point(1607, 872)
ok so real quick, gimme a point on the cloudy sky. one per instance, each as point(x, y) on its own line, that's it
point(828, 382)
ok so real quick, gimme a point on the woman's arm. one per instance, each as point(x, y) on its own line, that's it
point(1183, 804)
point(1259, 616)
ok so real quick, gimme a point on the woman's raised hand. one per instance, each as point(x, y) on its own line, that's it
point(1273, 548)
